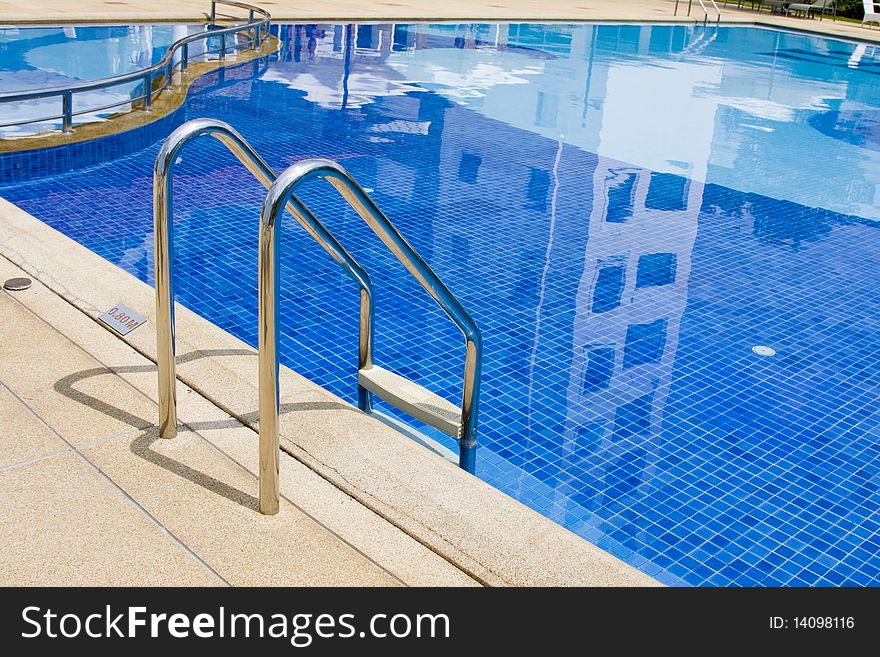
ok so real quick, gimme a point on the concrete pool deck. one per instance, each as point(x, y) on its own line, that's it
point(377, 10)
point(91, 495)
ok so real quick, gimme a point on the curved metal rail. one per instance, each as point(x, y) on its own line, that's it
point(280, 195)
point(163, 227)
point(163, 71)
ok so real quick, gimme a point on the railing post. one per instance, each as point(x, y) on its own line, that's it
point(184, 57)
point(163, 245)
point(467, 440)
point(67, 111)
point(223, 46)
point(675, 13)
point(213, 11)
point(148, 92)
point(365, 348)
point(268, 356)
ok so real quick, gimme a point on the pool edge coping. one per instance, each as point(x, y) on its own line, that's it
point(479, 529)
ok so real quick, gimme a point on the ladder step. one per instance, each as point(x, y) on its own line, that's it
point(412, 398)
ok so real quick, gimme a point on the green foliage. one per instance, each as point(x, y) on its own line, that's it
point(850, 8)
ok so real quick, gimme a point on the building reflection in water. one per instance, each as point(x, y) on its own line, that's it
point(594, 403)
point(630, 302)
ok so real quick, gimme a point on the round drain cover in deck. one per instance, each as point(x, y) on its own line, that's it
point(17, 284)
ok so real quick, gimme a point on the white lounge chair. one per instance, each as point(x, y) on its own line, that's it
point(872, 12)
point(810, 8)
point(776, 6)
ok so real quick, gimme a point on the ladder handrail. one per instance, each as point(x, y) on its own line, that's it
point(705, 11)
point(164, 236)
point(280, 194)
point(717, 11)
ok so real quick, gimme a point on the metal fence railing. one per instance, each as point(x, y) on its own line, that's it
point(156, 77)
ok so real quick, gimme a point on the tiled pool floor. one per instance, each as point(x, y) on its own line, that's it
point(620, 297)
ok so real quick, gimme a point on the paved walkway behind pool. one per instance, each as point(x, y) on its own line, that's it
point(581, 10)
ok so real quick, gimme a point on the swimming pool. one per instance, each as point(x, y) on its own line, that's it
point(628, 211)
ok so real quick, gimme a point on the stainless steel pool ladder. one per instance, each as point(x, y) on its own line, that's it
point(705, 10)
point(372, 379)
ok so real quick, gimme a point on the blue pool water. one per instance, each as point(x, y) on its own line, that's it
point(626, 211)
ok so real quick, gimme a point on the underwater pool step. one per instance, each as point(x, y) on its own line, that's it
point(412, 398)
